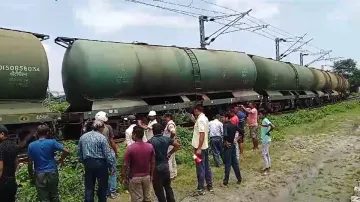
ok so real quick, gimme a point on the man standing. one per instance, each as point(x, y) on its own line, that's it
point(94, 153)
point(129, 131)
point(230, 159)
point(109, 134)
point(140, 156)
point(242, 117)
point(216, 133)
point(170, 131)
point(162, 181)
point(201, 145)
point(8, 166)
point(235, 120)
point(253, 123)
point(266, 128)
point(152, 117)
point(42, 153)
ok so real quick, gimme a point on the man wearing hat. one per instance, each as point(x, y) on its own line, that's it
point(149, 131)
point(128, 132)
point(8, 166)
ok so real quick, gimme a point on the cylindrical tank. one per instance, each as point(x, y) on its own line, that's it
point(327, 80)
point(341, 83)
point(306, 78)
point(276, 75)
point(334, 81)
point(24, 70)
point(100, 70)
point(347, 85)
point(320, 79)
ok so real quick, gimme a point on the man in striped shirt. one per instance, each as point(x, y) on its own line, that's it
point(94, 153)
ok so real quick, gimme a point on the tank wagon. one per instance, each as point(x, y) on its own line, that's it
point(24, 76)
point(127, 78)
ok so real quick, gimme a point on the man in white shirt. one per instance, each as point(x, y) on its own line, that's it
point(201, 145)
point(128, 132)
point(170, 131)
point(149, 131)
point(216, 133)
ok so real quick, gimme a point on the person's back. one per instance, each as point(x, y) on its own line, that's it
point(161, 180)
point(215, 128)
point(230, 130)
point(161, 144)
point(242, 116)
point(91, 145)
point(94, 153)
point(42, 152)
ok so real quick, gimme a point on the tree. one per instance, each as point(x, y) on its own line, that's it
point(348, 69)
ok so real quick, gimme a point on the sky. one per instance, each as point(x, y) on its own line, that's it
point(333, 25)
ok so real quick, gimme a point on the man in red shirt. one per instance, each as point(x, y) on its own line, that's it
point(235, 120)
point(140, 156)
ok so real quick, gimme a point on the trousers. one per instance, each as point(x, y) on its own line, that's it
point(231, 161)
point(161, 183)
point(266, 154)
point(47, 186)
point(96, 170)
point(8, 188)
point(172, 164)
point(112, 177)
point(139, 188)
point(217, 149)
point(203, 170)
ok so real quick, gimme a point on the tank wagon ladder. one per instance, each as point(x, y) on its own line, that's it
point(196, 68)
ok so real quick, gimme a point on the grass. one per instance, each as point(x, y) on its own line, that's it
point(288, 151)
point(285, 156)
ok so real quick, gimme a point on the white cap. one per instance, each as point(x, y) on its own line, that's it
point(152, 113)
point(101, 116)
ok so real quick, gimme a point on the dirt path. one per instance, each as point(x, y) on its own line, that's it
point(308, 166)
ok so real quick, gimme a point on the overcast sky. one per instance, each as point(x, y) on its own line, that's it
point(334, 25)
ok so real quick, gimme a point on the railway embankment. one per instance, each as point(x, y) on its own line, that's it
point(315, 157)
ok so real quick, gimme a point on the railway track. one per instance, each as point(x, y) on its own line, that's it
point(189, 125)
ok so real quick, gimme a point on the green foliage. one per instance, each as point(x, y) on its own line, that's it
point(71, 184)
point(307, 116)
point(55, 105)
point(348, 69)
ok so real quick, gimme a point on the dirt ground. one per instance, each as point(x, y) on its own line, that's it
point(316, 162)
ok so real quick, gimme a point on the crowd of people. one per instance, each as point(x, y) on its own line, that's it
point(149, 158)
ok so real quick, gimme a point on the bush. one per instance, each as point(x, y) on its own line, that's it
point(71, 184)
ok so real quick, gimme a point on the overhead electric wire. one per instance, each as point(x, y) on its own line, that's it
point(260, 27)
point(192, 14)
point(288, 33)
point(218, 12)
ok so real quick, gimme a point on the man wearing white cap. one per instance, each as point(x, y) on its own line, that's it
point(109, 134)
point(149, 131)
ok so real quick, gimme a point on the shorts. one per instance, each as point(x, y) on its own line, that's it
point(253, 131)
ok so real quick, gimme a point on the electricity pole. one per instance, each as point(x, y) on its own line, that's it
point(302, 58)
point(202, 20)
point(223, 30)
point(277, 46)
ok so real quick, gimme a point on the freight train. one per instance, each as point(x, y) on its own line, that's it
point(134, 78)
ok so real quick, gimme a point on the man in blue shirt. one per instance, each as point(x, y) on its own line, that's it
point(94, 153)
point(42, 153)
point(242, 117)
